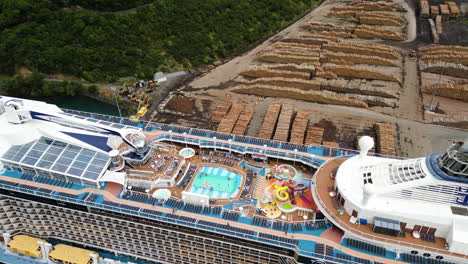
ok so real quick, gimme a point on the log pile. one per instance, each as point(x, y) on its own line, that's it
point(364, 87)
point(457, 91)
point(360, 72)
point(385, 138)
point(314, 135)
point(221, 109)
point(284, 123)
point(434, 11)
point(259, 72)
point(276, 57)
point(243, 121)
point(227, 123)
point(331, 144)
point(285, 82)
point(450, 69)
point(293, 67)
point(370, 18)
point(319, 27)
point(269, 122)
point(444, 11)
point(299, 127)
point(435, 36)
point(381, 21)
point(440, 54)
point(438, 24)
point(372, 32)
point(293, 46)
point(306, 41)
point(378, 50)
point(325, 97)
point(454, 10)
point(357, 59)
point(320, 36)
point(424, 8)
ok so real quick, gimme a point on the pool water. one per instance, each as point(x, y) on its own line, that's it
point(216, 183)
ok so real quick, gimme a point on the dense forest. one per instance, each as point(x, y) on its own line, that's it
point(102, 40)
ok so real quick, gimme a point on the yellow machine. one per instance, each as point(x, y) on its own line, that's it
point(142, 111)
point(26, 245)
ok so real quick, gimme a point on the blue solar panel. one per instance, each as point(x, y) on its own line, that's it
point(58, 156)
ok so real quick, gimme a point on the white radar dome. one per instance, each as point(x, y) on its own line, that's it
point(366, 143)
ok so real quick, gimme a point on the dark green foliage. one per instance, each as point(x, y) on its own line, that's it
point(36, 86)
point(56, 37)
point(93, 89)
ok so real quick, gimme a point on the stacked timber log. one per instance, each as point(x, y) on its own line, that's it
point(227, 123)
point(457, 91)
point(221, 109)
point(434, 11)
point(269, 122)
point(424, 8)
point(299, 127)
point(325, 97)
point(385, 138)
point(285, 82)
point(331, 144)
point(284, 123)
point(438, 24)
point(378, 50)
point(314, 135)
point(361, 72)
point(243, 121)
point(454, 10)
point(444, 11)
point(262, 72)
point(352, 59)
point(435, 36)
point(371, 32)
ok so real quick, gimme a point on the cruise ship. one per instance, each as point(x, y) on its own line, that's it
point(79, 187)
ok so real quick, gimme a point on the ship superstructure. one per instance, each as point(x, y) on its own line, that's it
point(156, 193)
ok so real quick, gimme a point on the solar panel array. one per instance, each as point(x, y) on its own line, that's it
point(60, 157)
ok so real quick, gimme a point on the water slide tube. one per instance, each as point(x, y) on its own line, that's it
point(282, 193)
point(291, 194)
point(300, 186)
point(305, 199)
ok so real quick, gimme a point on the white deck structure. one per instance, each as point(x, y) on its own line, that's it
point(406, 191)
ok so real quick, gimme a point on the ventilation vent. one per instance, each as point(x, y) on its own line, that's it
point(459, 211)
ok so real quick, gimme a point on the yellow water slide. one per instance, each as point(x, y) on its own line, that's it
point(282, 193)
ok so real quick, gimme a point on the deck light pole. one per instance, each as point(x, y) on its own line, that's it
point(295, 156)
point(114, 89)
point(229, 144)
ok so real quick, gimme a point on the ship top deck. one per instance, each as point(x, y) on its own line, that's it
point(298, 234)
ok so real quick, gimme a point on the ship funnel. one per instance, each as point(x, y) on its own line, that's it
point(366, 143)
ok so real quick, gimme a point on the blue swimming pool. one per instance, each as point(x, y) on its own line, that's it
point(218, 183)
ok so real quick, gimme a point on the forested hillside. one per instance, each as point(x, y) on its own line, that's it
point(102, 40)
